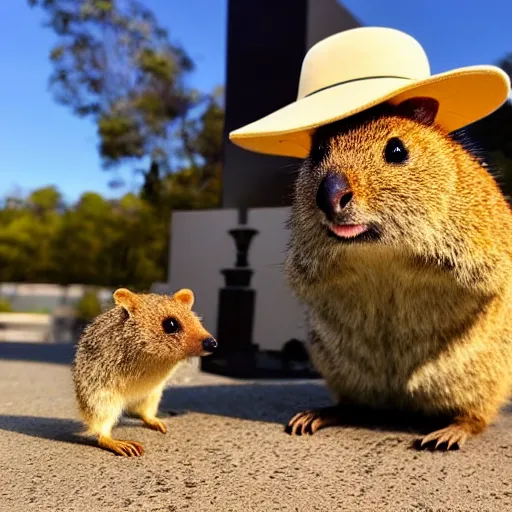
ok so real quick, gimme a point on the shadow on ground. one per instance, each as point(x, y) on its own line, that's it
point(37, 352)
point(270, 402)
point(265, 402)
point(55, 429)
point(279, 402)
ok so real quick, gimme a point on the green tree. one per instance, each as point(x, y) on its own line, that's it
point(96, 242)
point(79, 247)
point(152, 188)
point(5, 306)
point(139, 252)
point(114, 63)
point(198, 184)
point(45, 202)
point(27, 228)
point(111, 243)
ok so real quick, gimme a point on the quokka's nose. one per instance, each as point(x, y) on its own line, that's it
point(334, 194)
point(209, 344)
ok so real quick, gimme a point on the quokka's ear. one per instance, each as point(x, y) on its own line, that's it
point(185, 296)
point(127, 300)
point(422, 110)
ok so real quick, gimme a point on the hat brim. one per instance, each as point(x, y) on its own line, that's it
point(465, 96)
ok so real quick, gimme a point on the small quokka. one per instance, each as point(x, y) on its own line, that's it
point(125, 356)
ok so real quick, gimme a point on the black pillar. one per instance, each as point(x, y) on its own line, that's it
point(267, 41)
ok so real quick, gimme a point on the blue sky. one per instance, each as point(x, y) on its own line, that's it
point(42, 143)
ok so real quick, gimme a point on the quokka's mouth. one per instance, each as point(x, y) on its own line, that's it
point(353, 233)
point(348, 230)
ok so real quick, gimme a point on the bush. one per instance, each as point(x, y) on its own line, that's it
point(89, 306)
point(5, 306)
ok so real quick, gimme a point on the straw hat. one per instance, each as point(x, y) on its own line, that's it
point(354, 70)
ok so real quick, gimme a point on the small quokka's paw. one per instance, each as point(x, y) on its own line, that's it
point(451, 437)
point(123, 448)
point(155, 424)
point(308, 422)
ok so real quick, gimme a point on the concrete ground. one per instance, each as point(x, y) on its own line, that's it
point(227, 451)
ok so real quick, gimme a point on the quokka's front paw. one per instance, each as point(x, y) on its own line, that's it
point(120, 447)
point(308, 422)
point(155, 424)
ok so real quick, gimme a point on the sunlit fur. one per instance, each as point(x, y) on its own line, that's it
point(420, 319)
point(124, 358)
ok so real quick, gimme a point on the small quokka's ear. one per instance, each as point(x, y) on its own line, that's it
point(126, 299)
point(422, 110)
point(185, 296)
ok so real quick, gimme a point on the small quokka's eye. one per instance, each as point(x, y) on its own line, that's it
point(171, 325)
point(395, 152)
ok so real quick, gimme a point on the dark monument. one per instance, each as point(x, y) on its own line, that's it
point(266, 43)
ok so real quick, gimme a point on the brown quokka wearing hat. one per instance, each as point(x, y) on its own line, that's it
point(125, 357)
point(400, 238)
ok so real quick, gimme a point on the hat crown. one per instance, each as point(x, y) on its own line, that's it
point(360, 53)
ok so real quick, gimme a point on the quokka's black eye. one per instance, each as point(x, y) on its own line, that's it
point(395, 152)
point(171, 325)
point(318, 151)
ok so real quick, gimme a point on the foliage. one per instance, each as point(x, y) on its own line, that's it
point(115, 64)
point(5, 306)
point(26, 229)
point(95, 241)
point(88, 306)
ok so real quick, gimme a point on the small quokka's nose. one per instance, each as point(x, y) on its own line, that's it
point(209, 344)
point(334, 194)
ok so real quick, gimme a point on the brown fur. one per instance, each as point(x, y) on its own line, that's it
point(125, 357)
point(419, 319)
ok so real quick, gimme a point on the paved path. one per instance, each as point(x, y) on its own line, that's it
point(228, 452)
